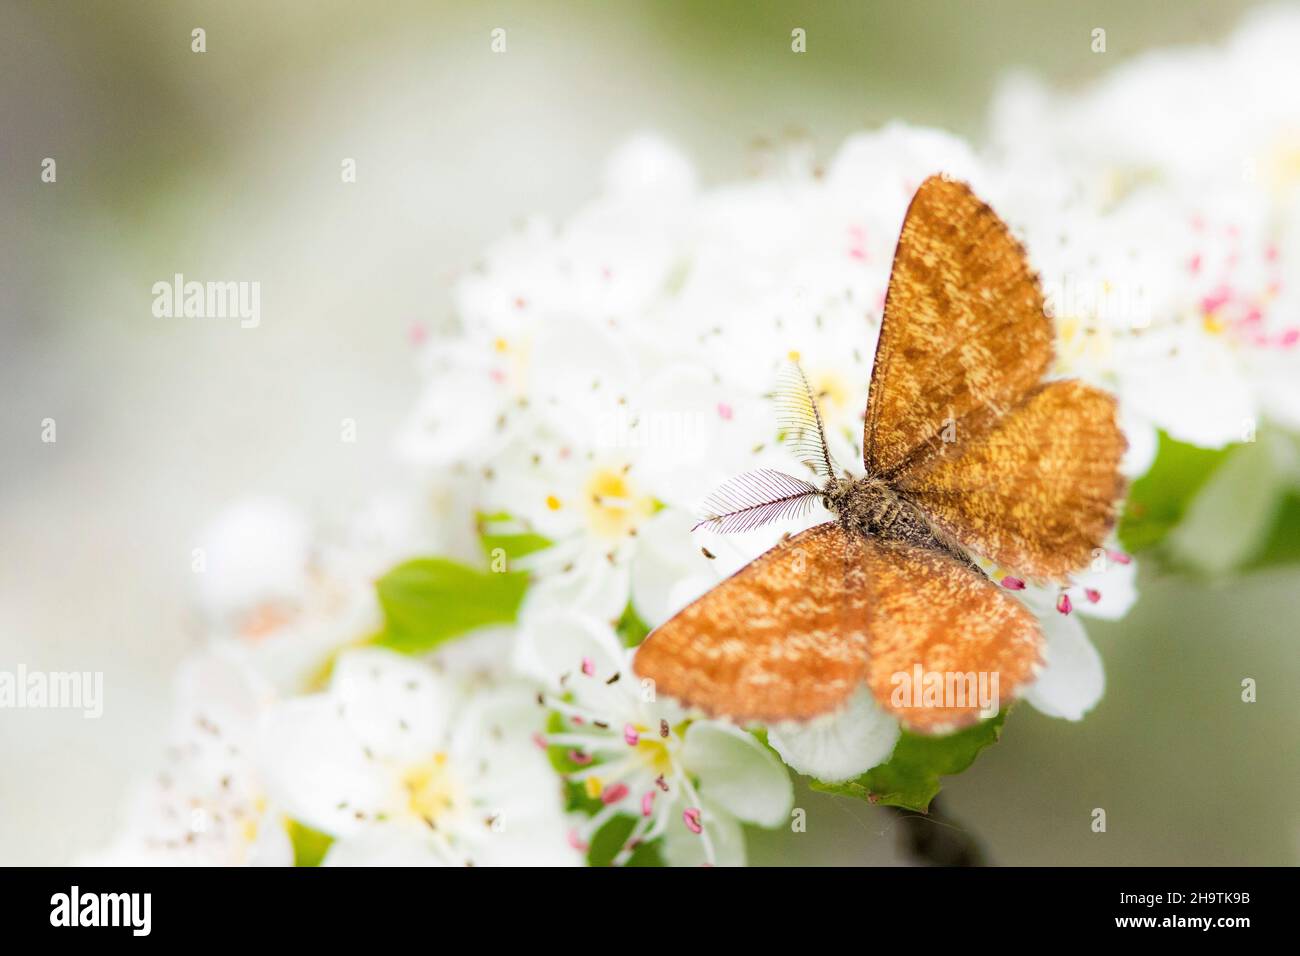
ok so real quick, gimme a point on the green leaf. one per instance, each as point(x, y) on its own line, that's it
point(429, 601)
point(647, 854)
point(559, 754)
point(631, 629)
point(499, 533)
point(1158, 500)
point(609, 839)
point(309, 846)
point(1282, 546)
point(910, 778)
point(1229, 518)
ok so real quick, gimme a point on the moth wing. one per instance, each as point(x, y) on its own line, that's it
point(931, 615)
point(794, 632)
point(964, 336)
point(782, 638)
point(1039, 491)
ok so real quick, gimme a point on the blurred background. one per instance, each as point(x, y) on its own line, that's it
point(226, 164)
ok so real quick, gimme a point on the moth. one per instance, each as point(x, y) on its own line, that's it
point(966, 450)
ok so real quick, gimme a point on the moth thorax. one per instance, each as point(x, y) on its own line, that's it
point(869, 504)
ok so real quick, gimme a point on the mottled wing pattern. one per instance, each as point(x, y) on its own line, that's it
point(963, 337)
point(1037, 492)
point(927, 609)
point(782, 638)
point(790, 635)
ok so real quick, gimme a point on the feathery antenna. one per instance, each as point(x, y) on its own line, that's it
point(800, 420)
point(756, 498)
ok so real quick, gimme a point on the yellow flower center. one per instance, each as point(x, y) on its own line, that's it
point(1282, 164)
point(432, 790)
point(614, 507)
point(653, 749)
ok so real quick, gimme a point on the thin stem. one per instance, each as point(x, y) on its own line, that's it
point(935, 839)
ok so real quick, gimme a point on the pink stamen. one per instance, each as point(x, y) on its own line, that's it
point(1195, 265)
point(417, 333)
point(588, 666)
point(648, 803)
point(1013, 584)
point(1092, 594)
point(540, 741)
point(725, 411)
point(580, 758)
point(1216, 299)
point(576, 841)
point(1119, 557)
point(630, 736)
point(1063, 604)
point(497, 375)
point(614, 794)
point(691, 817)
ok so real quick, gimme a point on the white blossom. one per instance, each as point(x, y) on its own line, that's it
point(403, 766)
point(690, 781)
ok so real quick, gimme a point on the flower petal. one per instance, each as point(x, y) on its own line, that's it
point(1115, 590)
point(684, 848)
point(841, 745)
point(554, 642)
point(1072, 680)
point(316, 769)
point(738, 773)
point(257, 550)
point(396, 706)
